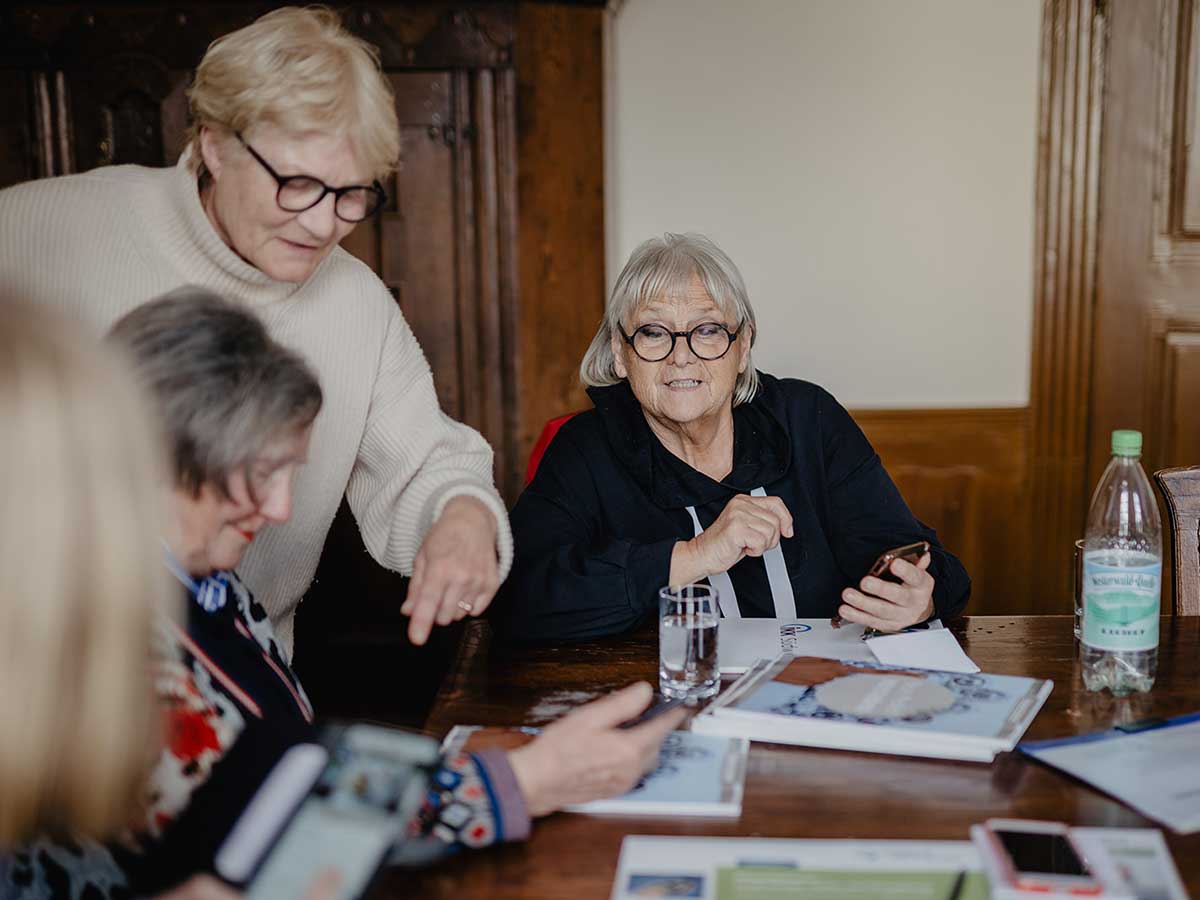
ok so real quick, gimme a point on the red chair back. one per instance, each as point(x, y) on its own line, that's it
point(543, 441)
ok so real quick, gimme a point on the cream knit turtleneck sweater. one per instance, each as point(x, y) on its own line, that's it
point(99, 244)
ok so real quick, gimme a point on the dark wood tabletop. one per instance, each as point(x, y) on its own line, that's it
point(793, 792)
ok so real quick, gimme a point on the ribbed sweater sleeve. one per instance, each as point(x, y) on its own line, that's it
point(96, 245)
point(414, 459)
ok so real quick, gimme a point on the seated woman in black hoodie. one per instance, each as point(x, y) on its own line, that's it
point(693, 466)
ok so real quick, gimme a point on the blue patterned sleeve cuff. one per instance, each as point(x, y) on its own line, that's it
point(506, 794)
point(474, 800)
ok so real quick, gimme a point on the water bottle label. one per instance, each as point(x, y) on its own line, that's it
point(1120, 603)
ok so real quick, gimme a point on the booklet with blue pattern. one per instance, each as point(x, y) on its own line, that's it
point(857, 705)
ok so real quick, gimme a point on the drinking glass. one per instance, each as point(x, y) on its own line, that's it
point(687, 642)
point(1077, 590)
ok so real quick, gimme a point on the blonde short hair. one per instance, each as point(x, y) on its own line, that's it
point(81, 579)
point(301, 71)
point(665, 266)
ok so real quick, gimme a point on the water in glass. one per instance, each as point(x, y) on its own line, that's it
point(687, 641)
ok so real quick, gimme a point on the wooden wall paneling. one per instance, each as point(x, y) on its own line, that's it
point(1186, 175)
point(465, 244)
point(419, 235)
point(560, 187)
point(1148, 277)
point(17, 160)
point(510, 476)
point(493, 369)
point(964, 473)
point(1172, 387)
point(1071, 92)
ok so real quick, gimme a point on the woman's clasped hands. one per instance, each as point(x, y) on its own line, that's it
point(748, 526)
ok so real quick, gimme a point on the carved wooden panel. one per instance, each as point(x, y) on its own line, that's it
point(1180, 487)
point(1186, 193)
point(1174, 389)
point(561, 191)
point(1182, 393)
point(1071, 91)
point(964, 473)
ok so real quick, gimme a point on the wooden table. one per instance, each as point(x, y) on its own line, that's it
point(795, 792)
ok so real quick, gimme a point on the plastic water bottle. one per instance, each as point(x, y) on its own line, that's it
point(1122, 575)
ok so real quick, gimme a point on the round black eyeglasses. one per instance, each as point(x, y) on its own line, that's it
point(654, 343)
point(297, 193)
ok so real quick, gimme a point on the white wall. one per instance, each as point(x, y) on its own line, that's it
point(868, 164)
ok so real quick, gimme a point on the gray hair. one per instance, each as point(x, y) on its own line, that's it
point(664, 267)
point(224, 387)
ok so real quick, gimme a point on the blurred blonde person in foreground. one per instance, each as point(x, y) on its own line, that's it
point(81, 583)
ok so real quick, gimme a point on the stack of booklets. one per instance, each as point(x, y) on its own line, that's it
point(856, 705)
point(696, 775)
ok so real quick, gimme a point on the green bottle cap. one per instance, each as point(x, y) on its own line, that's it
point(1126, 442)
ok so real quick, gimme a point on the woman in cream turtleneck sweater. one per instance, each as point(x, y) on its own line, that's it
point(294, 125)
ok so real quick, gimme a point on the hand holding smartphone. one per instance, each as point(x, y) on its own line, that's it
point(910, 553)
point(657, 707)
point(882, 568)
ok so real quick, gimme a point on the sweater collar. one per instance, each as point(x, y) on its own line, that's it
point(761, 451)
point(184, 232)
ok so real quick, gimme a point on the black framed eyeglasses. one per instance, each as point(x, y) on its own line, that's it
point(654, 343)
point(297, 193)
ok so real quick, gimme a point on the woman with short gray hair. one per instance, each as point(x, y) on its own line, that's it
point(694, 466)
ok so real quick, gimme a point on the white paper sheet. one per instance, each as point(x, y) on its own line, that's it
point(741, 642)
point(934, 649)
point(1155, 770)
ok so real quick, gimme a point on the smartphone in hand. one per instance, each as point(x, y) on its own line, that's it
point(657, 707)
point(910, 553)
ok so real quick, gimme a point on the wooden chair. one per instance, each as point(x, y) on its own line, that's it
point(1181, 488)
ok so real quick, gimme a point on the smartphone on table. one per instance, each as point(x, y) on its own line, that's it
point(342, 804)
point(910, 553)
point(1028, 859)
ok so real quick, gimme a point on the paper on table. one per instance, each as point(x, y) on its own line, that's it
point(693, 866)
point(1153, 769)
point(935, 649)
point(742, 642)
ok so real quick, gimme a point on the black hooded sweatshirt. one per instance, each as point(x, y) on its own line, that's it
point(595, 529)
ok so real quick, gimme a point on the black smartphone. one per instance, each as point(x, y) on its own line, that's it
point(657, 707)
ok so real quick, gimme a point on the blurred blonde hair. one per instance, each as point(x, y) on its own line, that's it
point(299, 70)
point(81, 579)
